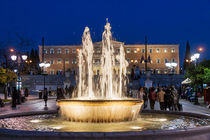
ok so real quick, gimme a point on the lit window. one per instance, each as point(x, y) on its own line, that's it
point(135, 50)
point(173, 50)
point(51, 62)
point(128, 50)
point(165, 50)
point(45, 51)
point(52, 72)
point(165, 71)
point(51, 51)
point(128, 60)
point(74, 61)
point(135, 61)
point(158, 50)
point(66, 61)
point(150, 50)
point(59, 51)
point(166, 60)
point(142, 50)
point(67, 51)
point(131, 61)
point(59, 61)
point(158, 71)
point(158, 61)
point(74, 50)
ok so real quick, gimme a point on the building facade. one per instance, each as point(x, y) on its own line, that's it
point(64, 58)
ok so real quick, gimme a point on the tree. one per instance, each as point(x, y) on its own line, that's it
point(6, 76)
point(187, 56)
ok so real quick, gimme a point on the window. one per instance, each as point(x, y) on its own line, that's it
point(59, 61)
point(74, 50)
point(52, 72)
point(128, 59)
point(135, 61)
point(45, 51)
point(166, 60)
point(66, 51)
point(59, 51)
point(66, 61)
point(173, 50)
point(135, 50)
point(150, 50)
point(142, 50)
point(158, 71)
point(51, 51)
point(173, 60)
point(118, 50)
point(158, 50)
point(165, 50)
point(165, 71)
point(51, 62)
point(158, 61)
point(97, 61)
point(98, 50)
point(74, 61)
point(128, 50)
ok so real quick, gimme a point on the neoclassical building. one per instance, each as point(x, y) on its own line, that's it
point(64, 57)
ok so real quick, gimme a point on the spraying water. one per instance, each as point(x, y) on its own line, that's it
point(113, 68)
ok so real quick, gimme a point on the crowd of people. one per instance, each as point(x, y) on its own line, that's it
point(168, 97)
point(19, 96)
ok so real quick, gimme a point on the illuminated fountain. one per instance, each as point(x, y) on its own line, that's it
point(103, 101)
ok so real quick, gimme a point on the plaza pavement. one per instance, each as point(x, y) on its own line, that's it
point(34, 104)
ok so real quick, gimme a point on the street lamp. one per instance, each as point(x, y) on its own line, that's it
point(43, 66)
point(20, 58)
point(171, 66)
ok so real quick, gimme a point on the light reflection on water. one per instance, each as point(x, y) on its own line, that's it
point(144, 122)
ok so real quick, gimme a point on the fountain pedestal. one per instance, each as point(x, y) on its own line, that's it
point(99, 110)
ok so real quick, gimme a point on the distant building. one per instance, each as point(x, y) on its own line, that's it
point(64, 57)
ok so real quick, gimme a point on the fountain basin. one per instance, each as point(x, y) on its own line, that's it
point(99, 110)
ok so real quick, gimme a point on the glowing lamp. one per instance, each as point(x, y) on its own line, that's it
point(13, 57)
point(24, 57)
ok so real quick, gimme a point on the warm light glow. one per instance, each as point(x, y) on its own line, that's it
point(138, 49)
point(30, 61)
point(24, 57)
point(100, 110)
point(77, 50)
point(13, 57)
point(187, 60)
point(200, 49)
point(12, 50)
point(163, 120)
point(57, 127)
point(135, 127)
point(35, 121)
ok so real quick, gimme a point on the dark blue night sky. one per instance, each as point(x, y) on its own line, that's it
point(63, 21)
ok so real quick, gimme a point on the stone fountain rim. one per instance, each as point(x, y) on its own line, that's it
point(100, 100)
point(187, 131)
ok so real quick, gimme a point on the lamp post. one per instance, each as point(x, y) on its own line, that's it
point(195, 58)
point(19, 58)
point(43, 66)
point(171, 66)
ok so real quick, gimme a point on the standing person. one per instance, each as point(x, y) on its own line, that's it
point(168, 99)
point(26, 92)
point(18, 96)
point(161, 95)
point(45, 96)
point(141, 94)
point(152, 98)
point(14, 97)
point(175, 96)
point(145, 97)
